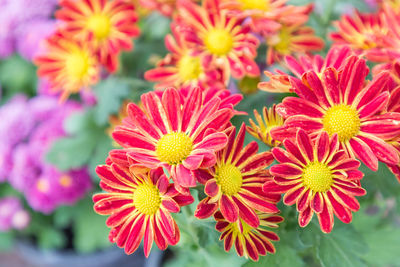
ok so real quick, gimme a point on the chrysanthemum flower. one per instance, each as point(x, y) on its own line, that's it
point(108, 25)
point(266, 123)
point(178, 135)
point(394, 69)
point(181, 68)
point(140, 207)
point(69, 66)
point(318, 177)
point(165, 7)
point(235, 186)
point(279, 82)
point(267, 14)
point(249, 241)
point(365, 33)
point(218, 38)
point(342, 103)
point(290, 39)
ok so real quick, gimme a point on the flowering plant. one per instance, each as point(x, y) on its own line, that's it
point(302, 184)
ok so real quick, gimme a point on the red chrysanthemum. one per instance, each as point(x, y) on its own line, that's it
point(178, 134)
point(318, 177)
point(220, 40)
point(68, 65)
point(342, 102)
point(290, 39)
point(181, 68)
point(235, 183)
point(279, 83)
point(365, 33)
point(108, 25)
point(249, 241)
point(139, 205)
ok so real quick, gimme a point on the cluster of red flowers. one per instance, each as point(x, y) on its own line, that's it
point(177, 139)
point(90, 35)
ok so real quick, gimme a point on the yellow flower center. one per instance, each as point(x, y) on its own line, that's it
point(229, 178)
point(100, 25)
point(174, 147)
point(65, 181)
point(146, 199)
point(236, 229)
point(219, 41)
point(343, 120)
point(255, 4)
point(77, 64)
point(43, 185)
point(189, 68)
point(318, 177)
point(283, 41)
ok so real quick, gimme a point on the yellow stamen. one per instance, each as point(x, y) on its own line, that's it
point(42, 185)
point(219, 41)
point(318, 177)
point(229, 178)
point(283, 41)
point(255, 4)
point(66, 181)
point(189, 68)
point(343, 120)
point(77, 64)
point(174, 147)
point(147, 199)
point(100, 25)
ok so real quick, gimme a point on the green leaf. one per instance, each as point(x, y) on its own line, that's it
point(384, 247)
point(63, 216)
point(110, 94)
point(91, 232)
point(343, 247)
point(50, 238)
point(72, 152)
point(6, 241)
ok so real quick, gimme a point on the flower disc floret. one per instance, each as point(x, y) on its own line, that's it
point(229, 178)
point(174, 147)
point(255, 4)
point(100, 25)
point(189, 68)
point(318, 177)
point(77, 64)
point(343, 120)
point(219, 41)
point(146, 199)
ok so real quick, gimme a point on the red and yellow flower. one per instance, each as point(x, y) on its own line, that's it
point(317, 176)
point(249, 241)
point(342, 103)
point(108, 25)
point(139, 206)
point(279, 81)
point(266, 123)
point(366, 34)
point(68, 65)
point(235, 183)
point(290, 39)
point(179, 135)
point(165, 7)
point(181, 68)
point(219, 39)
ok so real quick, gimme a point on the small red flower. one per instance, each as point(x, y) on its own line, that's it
point(108, 25)
point(177, 133)
point(219, 39)
point(181, 68)
point(235, 182)
point(340, 102)
point(279, 83)
point(139, 206)
point(318, 177)
point(249, 241)
point(68, 65)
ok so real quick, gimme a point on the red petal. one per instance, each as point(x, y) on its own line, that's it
point(228, 208)
point(211, 188)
